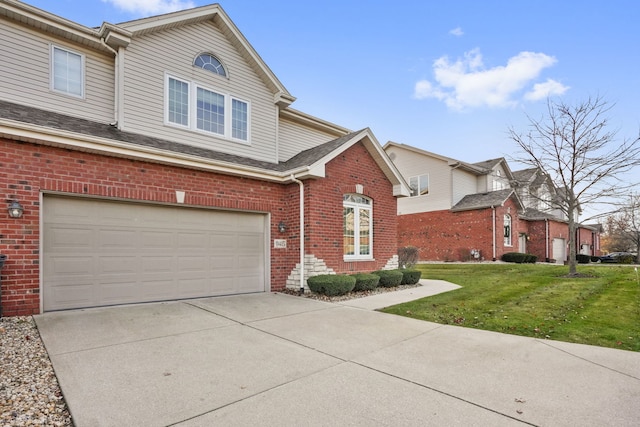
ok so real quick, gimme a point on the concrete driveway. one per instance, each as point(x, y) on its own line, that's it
point(281, 360)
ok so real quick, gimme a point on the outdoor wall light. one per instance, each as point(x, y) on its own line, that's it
point(15, 209)
point(282, 227)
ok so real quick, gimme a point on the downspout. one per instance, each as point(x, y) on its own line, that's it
point(493, 213)
point(116, 91)
point(546, 239)
point(301, 184)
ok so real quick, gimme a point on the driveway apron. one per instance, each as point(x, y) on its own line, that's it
point(279, 360)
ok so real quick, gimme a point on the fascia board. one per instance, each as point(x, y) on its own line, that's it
point(37, 18)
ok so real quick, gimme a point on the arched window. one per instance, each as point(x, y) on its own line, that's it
point(357, 228)
point(507, 230)
point(209, 62)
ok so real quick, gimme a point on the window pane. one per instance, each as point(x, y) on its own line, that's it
point(348, 231)
point(210, 63)
point(413, 184)
point(178, 102)
point(210, 110)
point(67, 72)
point(365, 230)
point(424, 184)
point(239, 120)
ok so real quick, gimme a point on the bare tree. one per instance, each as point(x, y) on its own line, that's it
point(583, 159)
point(623, 227)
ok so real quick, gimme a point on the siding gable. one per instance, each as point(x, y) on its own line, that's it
point(150, 57)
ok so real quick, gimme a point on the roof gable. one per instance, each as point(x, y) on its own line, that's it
point(218, 16)
point(487, 200)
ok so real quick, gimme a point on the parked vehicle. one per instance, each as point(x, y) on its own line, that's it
point(620, 258)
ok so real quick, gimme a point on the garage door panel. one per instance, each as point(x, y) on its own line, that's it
point(64, 238)
point(71, 296)
point(157, 264)
point(156, 239)
point(109, 252)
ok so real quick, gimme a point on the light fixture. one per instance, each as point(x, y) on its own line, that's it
point(282, 227)
point(15, 209)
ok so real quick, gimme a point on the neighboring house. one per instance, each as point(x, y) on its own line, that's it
point(478, 211)
point(159, 159)
point(457, 211)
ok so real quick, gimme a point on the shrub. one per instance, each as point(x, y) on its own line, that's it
point(365, 281)
point(583, 259)
point(410, 277)
point(331, 284)
point(626, 259)
point(519, 258)
point(389, 278)
point(408, 256)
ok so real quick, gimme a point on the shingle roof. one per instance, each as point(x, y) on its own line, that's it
point(59, 121)
point(488, 164)
point(483, 200)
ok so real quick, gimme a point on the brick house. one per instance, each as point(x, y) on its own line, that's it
point(160, 159)
point(462, 211)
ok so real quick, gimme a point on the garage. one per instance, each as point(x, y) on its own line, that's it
point(101, 252)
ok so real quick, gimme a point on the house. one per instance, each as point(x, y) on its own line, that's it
point(160, 159)
point(462, 211)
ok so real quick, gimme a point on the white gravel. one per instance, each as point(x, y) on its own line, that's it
point(29, 390)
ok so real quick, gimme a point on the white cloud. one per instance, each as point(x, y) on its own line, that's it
point(545, 90)
point(151, 7)
point(466, 83)
point(457, 32)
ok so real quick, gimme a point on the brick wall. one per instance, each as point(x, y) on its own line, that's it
point(451, 236)
point(323, 205)
point(27, 169)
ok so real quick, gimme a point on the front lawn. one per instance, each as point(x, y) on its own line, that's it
point(602, 307)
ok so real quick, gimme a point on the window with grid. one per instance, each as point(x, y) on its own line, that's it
point(419, 185)
point(67, 71)
point(357, 227)
point(204, 109)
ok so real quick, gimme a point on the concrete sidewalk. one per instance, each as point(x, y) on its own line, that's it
point(281, 360)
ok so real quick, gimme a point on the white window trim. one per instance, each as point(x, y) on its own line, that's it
point(192, 108)
point(52, 48)
point(356, 224)
point(508, 240)
point(428, 184)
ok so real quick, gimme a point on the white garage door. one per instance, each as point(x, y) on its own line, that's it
point(99, 253)
point(560, 250)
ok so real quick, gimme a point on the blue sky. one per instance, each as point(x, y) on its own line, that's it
point(447, 76)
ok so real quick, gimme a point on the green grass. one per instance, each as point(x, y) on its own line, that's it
point(601, 307)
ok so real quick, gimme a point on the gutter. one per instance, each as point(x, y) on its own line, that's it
point(301, 185)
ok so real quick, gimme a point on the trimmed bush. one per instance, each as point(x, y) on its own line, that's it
point(583, 259)
point(365, 281)
point(331, 284)
point(519, 258)
point(408, 256)
point(410, 277)
point(389, 278)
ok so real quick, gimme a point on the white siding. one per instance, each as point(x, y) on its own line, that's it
point(149, 57)
point(464, 183)
point(295, 138)
point(411, 164)
point(25, 79)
